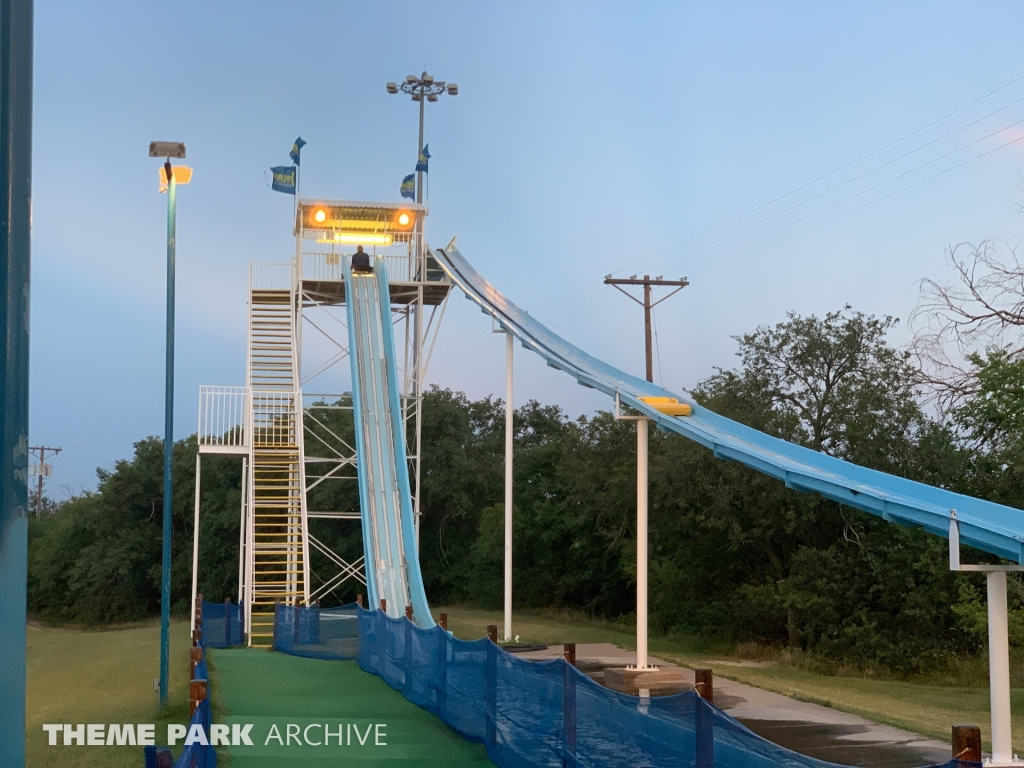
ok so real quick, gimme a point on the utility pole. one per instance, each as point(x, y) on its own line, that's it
point(42, 470)
point(647, 282)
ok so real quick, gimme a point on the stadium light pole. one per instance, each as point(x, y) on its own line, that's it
point(422, 89)
point(15, 221)
point(171, 176)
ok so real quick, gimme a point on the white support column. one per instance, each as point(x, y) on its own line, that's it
point(509, 439)
point(641, 543)
point(242, 523)
point(999, 669)
point(195, 547)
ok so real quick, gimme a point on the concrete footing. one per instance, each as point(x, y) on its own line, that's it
point(628, 680)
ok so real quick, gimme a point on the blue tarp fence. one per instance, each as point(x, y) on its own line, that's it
point(551, 714)
point(222, 625)
point(194, 755)
point(317, 633)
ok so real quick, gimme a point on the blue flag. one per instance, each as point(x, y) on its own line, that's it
point(409, 186)
point(296, 148)
point(284, 179)
point(421, 164)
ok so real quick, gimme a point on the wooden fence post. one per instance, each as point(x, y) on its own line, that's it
point(492, 633)
point(384, 605)
point(359, 600)
point(705, 684)
point(569, 652)
point(443, 621)
point(966, 742)
point(195, 655)
point(196, 694)
point(408, 612)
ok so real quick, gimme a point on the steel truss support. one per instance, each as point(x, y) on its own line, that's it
point(417, 324)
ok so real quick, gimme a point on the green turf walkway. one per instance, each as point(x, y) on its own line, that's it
point(265, 688)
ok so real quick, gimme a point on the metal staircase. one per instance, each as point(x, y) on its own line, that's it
point(278, 560)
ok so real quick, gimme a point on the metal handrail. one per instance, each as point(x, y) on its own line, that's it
point(223, 412)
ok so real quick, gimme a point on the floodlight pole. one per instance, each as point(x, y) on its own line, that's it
point(15, 242)
point(423, 88)
point(165, 569)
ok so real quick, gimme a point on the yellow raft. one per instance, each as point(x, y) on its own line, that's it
point(667, 405)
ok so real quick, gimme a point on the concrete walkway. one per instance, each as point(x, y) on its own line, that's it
point(810, 729)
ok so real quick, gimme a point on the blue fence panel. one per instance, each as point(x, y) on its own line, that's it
point(317, 633)
point(549, 713)
point(199, 755)
point(222, 625)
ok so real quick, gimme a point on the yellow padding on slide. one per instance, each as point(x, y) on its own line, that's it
point(667, 405)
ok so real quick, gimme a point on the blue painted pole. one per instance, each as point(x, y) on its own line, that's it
point(15, 209)
point(165, 571)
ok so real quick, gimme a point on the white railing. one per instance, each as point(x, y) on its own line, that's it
point(270, 275)
point(274, 418)
point(222, 415)
point(327, 266)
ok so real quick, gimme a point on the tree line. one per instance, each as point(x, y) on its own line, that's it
point(733, 554)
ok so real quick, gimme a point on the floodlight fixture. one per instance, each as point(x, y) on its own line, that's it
point(421, 90)
point(182, 175)
point(167, 149)
point(364, 238)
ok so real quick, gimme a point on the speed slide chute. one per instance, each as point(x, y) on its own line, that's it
point(392, 562)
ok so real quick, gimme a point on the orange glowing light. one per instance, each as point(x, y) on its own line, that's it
point(320, 216)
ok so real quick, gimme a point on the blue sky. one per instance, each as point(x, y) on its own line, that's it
point(783, 156)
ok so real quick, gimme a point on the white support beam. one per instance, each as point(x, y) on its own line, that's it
point(999, 670)
point(195, 547)
point(641, 543)
point(509, 442)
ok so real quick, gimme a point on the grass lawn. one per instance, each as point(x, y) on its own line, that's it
point(925, 707)
point(100, 676)
point(77, 676)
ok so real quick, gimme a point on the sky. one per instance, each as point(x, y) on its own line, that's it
point(785, 157)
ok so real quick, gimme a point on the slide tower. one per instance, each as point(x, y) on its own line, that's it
point(306, 316)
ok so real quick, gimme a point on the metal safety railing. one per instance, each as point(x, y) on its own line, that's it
point(270, 276)
point(327, 266)
point(223, 412)
point(275, 416)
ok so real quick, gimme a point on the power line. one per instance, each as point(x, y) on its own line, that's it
point(461, 352)
point(469, 354)
point(810, 183)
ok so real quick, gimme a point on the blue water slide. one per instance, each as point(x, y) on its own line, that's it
point(389, 537)
point(982, 524)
